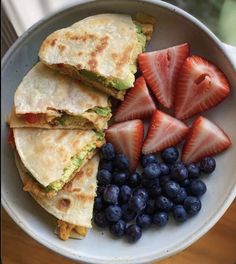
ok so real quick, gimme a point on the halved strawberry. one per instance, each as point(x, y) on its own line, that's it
point(200, 86)
point(127, 138)
point(160, 69)
point(138, 103)
point(164, 131)
point(204, 139)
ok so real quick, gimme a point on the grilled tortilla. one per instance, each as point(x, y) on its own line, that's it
point(73, 204)
point(52, 157)
point(100, 50)
point(48, 99)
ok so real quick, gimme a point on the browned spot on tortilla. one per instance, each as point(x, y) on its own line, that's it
point(62, 134)
point(68, 187)
point(93, 54)
point(53, 42)
point(79, 175)
point(61, 48)
point(84, 37)
point(92, 64)
point(114, 56)
point(63, 204)
point(89, 172)
point(85, 198)
point(80, 53)
point(76, 190)
point(124, 58)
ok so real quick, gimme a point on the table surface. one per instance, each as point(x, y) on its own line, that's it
point(218, 246)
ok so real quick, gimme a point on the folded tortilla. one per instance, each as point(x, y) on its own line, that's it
point(100, 50)
point(48, 99)
point(53, 157)
point(73, 204)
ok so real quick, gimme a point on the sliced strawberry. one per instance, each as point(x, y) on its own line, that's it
point(160, 69)
point(204, 139)
point(200, 86)
point(164, 131)
point(127, 138)
point(31, 118)
point(138, 103)
point(10, 138)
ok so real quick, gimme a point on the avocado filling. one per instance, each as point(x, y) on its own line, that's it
point(67, 120)
point(129, 81)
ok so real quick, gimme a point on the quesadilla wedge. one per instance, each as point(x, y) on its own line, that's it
point(53, 157)
point(48, 99)
point(73, 204)
point(100, 50)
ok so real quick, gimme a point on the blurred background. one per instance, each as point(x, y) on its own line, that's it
point(218, 15)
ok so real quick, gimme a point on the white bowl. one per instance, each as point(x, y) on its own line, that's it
point(174, 26)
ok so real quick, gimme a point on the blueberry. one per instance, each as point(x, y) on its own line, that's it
point(100, 219)
point(163, 180)
point(163, 203)
point(118, 229)
point(160, 219)
point(170, 155)
point(184, 183)
point(179, 213)
point(120, 178)
point(165, 170)
point(137, 203)
point(192, 205)
point(121, 162)
point(127, 214)
point(106, 164)
point(133, 233)
point(147, 159)
point(100, 190)
point(150, 206)
point(179, 172)
point(181, 196)
point(193, 171)
point(134, 180)
point(155, 190)
point(113, 213)
point(111, 194)
point(98, 203)
point(208, 165)
point(197, 188)
point(108, 151)
point(125, 193)
point(144, 220)
point(152, 171)
point(104, 177)
point(147, 183)
point(172, 188)
point(141, 192)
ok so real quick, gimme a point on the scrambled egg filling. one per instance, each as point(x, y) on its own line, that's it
point(64, 230)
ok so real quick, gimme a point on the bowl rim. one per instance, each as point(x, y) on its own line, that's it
point(146, 258)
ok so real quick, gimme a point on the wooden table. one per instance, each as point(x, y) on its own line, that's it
point(218, 246)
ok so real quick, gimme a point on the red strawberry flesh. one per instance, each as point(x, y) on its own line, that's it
point(160, 69)
point(200, 86)
point(138, 103)
point(164, 131)
point(204, 139)
point(127, 138)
